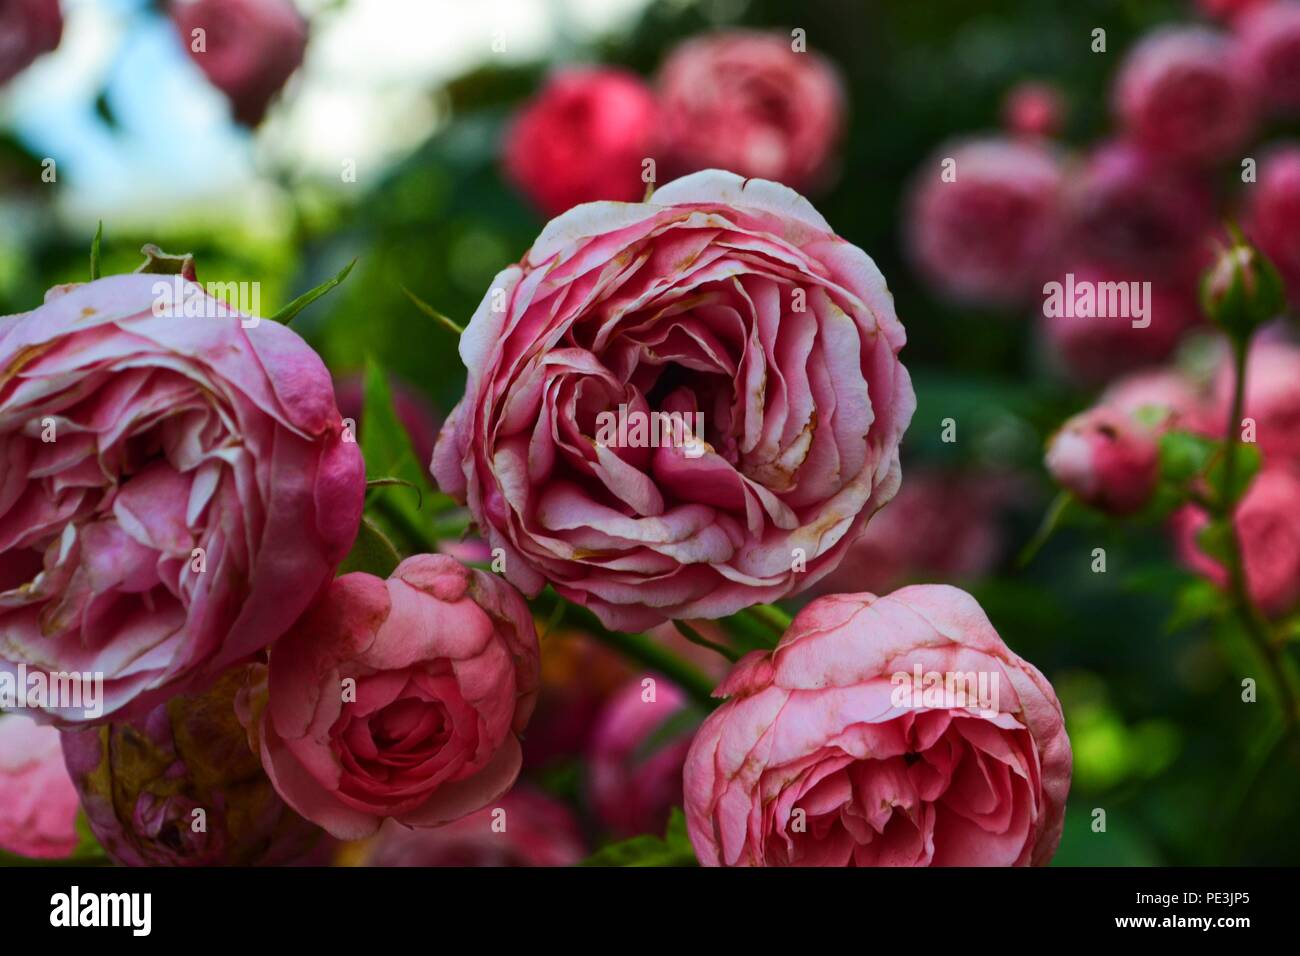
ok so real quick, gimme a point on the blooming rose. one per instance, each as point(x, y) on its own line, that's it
point(1274, 213)
point(1108, 458)
point(828, 753)
point(747, 102)
point(1180, 97)
point(28, 28)
point(634, 766)
point(523, 828)
point(1126, 213)
point(725, 297)
point(401, 698)
point(1268, 51)
point(941, 525)
point(250, 48)
point(1267, 522)
point(584, 137)
point(175, 489)
point(1091, 347)
point(1272, 399)
point(987, 232)
point(38, 804)
point(1034, 109)
point(142, 783)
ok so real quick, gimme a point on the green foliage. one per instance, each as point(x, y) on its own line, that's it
point(673, 849)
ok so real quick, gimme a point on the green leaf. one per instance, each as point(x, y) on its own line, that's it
point(95, 251)
point(287, 314)
point(372, 552)
point(1198, 600)
point(1184, 456)
point(1215, 540)
point(433, 313)
point(1248, 463)
point(673, 849)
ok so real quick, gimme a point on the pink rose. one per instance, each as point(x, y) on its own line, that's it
point(748, 102)
point(728, 304)
point(1274, 213)
point(985, 219)
point(1135, 330)
point(1108, 458)
point(28, 28)
point(523, 828)
point(1034, 109)
point(249, 48)
point(1180, 96)
point(1268, 530)
point(141, 783)
point(634, 765)
point(175, 490)
point(399, 699)
point(583, 138)
point(1272, 400)
point(1160, 395)
point(1127, 213)
point(38, 804)
point(831, 753)
point(1268, 51)
point(1229, 10)
point(940, 526)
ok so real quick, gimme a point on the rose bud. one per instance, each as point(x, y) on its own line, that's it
point(1180, 97)
point(1108, 323)
point(180, 787)
point(682, 407)
point(1163, 397)
point(28, 28)
point(399, 699)
point(940, 526)
point(1034, 109)
point(986, 218)
point(1272, 400)
point(1267, 523)
point(178, 486)
point(1274, 213)
point(634, 765)
point(584, 137)
point(882, 731)
point(1128, 214)
point(38, 803)
point(522, 828)
point(1268, 53)
point(749, 103)
point(1107, 458)
point(1242, 291)
point(247, 49)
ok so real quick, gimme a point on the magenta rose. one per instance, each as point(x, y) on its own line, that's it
point(634, 764)
point(248, 50)
point(836, 749)
point(28, 28)
point(176, 488)
point(38, 803)
point(584, 137)
point(1267, 523)
point(1180, 96)
point(181, 787)
point(399, 699)
point(1274, 213)
point(723, 315)
point(985, 219)
point(1107, 458)
point(1268, 51)
point(748, 102)
point(1129, 214)
point(523, 828)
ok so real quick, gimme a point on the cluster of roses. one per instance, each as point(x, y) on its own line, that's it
point(247, 49)
point(177, 495)
point(994, 219)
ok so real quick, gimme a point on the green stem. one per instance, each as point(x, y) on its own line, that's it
point(773, 617)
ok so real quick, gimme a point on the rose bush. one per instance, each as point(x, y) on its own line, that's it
point(726, 297)
point(174, 489)
point(399, 699)
point(816, 760)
